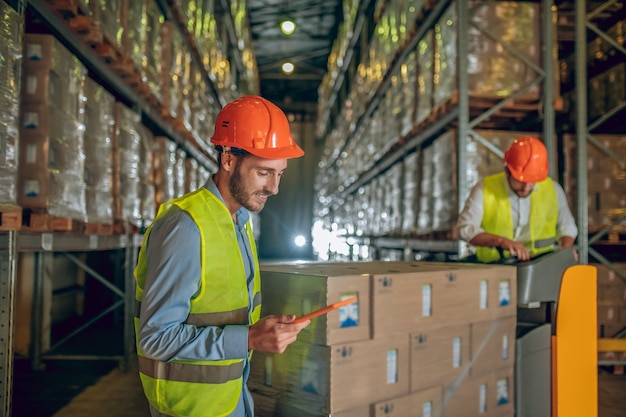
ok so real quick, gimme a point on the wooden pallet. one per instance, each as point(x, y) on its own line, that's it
point(66, 8)
point(121, 227)
point(10, 217)
point(42, 221)
point(98, 229)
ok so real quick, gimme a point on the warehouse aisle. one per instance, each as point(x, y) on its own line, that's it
point(101, 390)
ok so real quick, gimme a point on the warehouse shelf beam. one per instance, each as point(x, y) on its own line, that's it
point(112, 81)
point(463, 121)
point(584, 129)
point(8, 265)
point(346, 60)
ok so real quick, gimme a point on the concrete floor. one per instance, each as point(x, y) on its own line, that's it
point(101, 389)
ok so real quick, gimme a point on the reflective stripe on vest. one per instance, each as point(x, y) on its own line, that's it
point(497, 216)
point(217, 319)
point(183, 372)
point(204, 387)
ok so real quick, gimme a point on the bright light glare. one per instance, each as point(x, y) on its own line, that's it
point(300, 241)
point(288, 67)
point(287, 27)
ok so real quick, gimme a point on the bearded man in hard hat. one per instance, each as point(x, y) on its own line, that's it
point(198, 297)
point(520, 212)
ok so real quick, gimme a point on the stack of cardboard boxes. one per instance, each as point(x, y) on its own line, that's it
point(51, 161)
point(423, 339)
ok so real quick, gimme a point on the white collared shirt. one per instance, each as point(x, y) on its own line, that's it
point(470, 219)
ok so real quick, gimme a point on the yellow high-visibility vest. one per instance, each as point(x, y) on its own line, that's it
point(497, 220)
point(208, 388)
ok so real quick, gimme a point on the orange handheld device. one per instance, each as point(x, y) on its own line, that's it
point(326, 309)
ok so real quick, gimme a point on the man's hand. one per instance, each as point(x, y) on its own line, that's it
point(515, 249)
point(274, 333)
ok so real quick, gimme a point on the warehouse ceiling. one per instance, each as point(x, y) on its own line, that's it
point(307, 48)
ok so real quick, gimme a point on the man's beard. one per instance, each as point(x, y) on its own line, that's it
point(237, 190)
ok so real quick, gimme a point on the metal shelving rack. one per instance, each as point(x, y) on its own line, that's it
point(13, 243)
point(585, 130)
point(457, 116)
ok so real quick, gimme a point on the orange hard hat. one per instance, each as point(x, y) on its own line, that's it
point(527, 159)
point(255, 125)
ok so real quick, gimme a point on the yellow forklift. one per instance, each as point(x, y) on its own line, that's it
point(556, 366)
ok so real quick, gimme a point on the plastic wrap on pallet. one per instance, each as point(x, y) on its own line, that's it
point(133, 41)
point(425, 216)
point(606, 180)
point(424, 87)
point(147, 187)
point(99, 123)
point(176, 62)
point(191, 175)
point(164, 177)
point(445, 57)
point(10, 64)
point(179, 173)
point(444, 207)
point(410, 193)
point(127, 161)
point(109, 18)
point(493, 71)
point(152, 48)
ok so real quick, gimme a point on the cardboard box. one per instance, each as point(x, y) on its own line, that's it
point(334, 378)
point(426, 403)
point(492, 345)
point(439, 356)
point(300, 293)
point(39, 50)
point(33, 189)
point(437, 294)
point(488, 395)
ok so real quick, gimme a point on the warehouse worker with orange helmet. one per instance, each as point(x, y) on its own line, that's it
point(520, 212)
point(198, 300)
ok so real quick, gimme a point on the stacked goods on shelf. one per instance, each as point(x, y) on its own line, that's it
point(147, 187)
point(606, 188)
point(422, 90)
point(107, 25)
point(179, 173)
point(176, 67)
point(10, 64)
point(203, 113)
point(611, 300)
point(611, 307)
point(191, 175)
point(164, 169)
point(99, 125)
point(421, 337)
point(126, 166)
point(51, 169)
point(606, 72)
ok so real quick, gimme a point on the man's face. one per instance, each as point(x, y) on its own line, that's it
point(522, 189)
point(254, 180)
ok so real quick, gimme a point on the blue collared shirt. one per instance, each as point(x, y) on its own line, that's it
point(172, 280)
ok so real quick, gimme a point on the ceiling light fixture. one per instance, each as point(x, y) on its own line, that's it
point(287, 26)
point(288, 68)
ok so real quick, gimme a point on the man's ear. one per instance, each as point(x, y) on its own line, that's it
point(228, 161)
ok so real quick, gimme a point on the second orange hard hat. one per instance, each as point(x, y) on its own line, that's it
point(527, 159)
point(255, 125)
